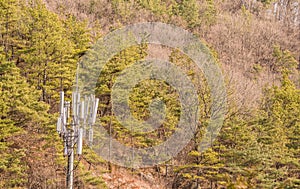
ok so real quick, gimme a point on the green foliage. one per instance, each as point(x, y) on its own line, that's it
point(11, 167)
point(203, 169)
point(193, 12)
point(284, 60)
point(19, 99)
point(46, 47)
point(142, 95)
point(200, 168)
point(109, 74)
point(158, 7)
point(140, 99)
point(266, 2)
point(84, 171)
point(122, 8)
point(38, 42)
point(92, 180)
point(248, 152)
point(10, 19)
point(257, 68)
point(278, 129)
point(91, 157)
point(209, 15)
point(283, 107)
point(40, 51)
point(78, 34)
point(19, 108)
point(44, 54)
point(189, 10)
point(239, 151)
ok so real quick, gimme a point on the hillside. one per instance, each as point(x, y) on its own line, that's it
point(256, 44)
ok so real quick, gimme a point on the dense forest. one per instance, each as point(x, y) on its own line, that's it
point(256, 43)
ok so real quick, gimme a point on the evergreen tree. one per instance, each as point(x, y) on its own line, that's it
point(19, 109)
point(278, 136)
point(284, 60)
point(53, 51)
point(209, 15)
point(199, 168)
point(239, 151)
point(189, 10)
point(12, 28)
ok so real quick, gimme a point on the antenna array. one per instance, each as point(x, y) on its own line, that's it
point(74, 123)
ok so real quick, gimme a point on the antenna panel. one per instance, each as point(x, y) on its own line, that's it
point(65, 148)
point(82, 110)
point(95, 110)
point(91, 135)
point(58, 125)
point(74, 98)
point(79, 141)
point(65, 116)
point(77, 104)
point(62, 102)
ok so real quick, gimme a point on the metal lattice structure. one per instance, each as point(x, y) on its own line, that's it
point(74, 123)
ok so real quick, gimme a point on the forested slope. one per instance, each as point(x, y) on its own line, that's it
point(256, 43)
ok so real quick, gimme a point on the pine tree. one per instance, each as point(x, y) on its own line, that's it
point(19, 109)
point(54, 48)
point(278, 136)
point(200, 168)
point(12, 29)
point(209, 14)
point(284, 60)
point(189, 10)
point(19, 99)
point(239, 151)
point(104, 85)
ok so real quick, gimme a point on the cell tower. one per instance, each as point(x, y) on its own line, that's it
point(76, 121)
